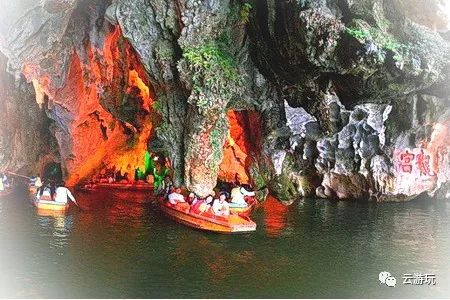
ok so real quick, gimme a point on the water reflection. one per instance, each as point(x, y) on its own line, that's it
point(111, 248)
point(275, 216)
point(57, 227)
point(132, 197)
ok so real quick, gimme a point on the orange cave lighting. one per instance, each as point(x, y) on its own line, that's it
point(99, 140)
point(242, 144)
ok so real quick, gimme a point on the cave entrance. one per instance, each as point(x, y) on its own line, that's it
point(242, 147)
point(52, 171)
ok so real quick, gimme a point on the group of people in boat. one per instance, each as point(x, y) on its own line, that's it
point(4, 182)
point(220, 206)
point(52, 190)
point(111, 177)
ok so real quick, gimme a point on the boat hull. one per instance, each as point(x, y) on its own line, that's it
point(46, 205)
point(118, 186)
point(232, 224)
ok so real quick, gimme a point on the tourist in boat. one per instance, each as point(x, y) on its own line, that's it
point(166, 188)
point(4, 180)
point(47, 190)
point(38, 182)
point(176, 197)
point(202, 206)
point(150, 179)
point(44, 192)
point(192, 198)
point(238, 195)
point(110, 179)
point(2, 187)
point(52, 189)
point(220, 206)
point(63, 194)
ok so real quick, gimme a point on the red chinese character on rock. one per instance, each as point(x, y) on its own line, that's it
point(406, 161)
point(423, 162)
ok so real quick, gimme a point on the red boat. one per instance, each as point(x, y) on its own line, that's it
point(206, 221)
point(118, 186)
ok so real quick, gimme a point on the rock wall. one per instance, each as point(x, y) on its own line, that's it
point(26, 139)
point(90, 83)
point(349, 99)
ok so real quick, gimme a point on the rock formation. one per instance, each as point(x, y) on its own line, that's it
point(336, 99)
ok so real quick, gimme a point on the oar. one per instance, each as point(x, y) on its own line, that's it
point(18, 175)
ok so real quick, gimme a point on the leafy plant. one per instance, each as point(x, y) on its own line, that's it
point(245, 12)
point(382, 39)
point(156, 105)
point(358, 33)
point(213, 74)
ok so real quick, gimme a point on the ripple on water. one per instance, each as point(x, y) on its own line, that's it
point(113, 248)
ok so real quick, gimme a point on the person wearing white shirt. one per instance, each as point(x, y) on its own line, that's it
point(38, 182)
point(176, 197)
point(44, 193)
point(63, 195)
point(5, 181)
point(238, 195)
point(221, 207)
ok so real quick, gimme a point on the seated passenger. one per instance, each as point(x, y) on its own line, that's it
point(192, 198)
point(221, 207)
point(150, 179)
point(202, 206)
point(38, 182)
point(63, 194)
point(110, 179)
point(238, 195)
point(176, 197)
point(5, 180)
point(44, 193)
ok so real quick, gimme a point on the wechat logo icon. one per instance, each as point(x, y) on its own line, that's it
point(387, 279)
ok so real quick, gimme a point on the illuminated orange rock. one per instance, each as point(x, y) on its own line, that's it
point(89, 126)
point(242, 144)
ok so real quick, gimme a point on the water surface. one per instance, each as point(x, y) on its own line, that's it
point(122, 246)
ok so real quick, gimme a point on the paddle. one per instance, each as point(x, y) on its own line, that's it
point(18, 175)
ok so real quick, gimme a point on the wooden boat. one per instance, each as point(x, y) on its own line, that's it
point(207, 221)
point(118, 186)
point(47, 204)
point(50, 213)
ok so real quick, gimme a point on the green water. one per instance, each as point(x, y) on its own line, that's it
point(315, 248)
